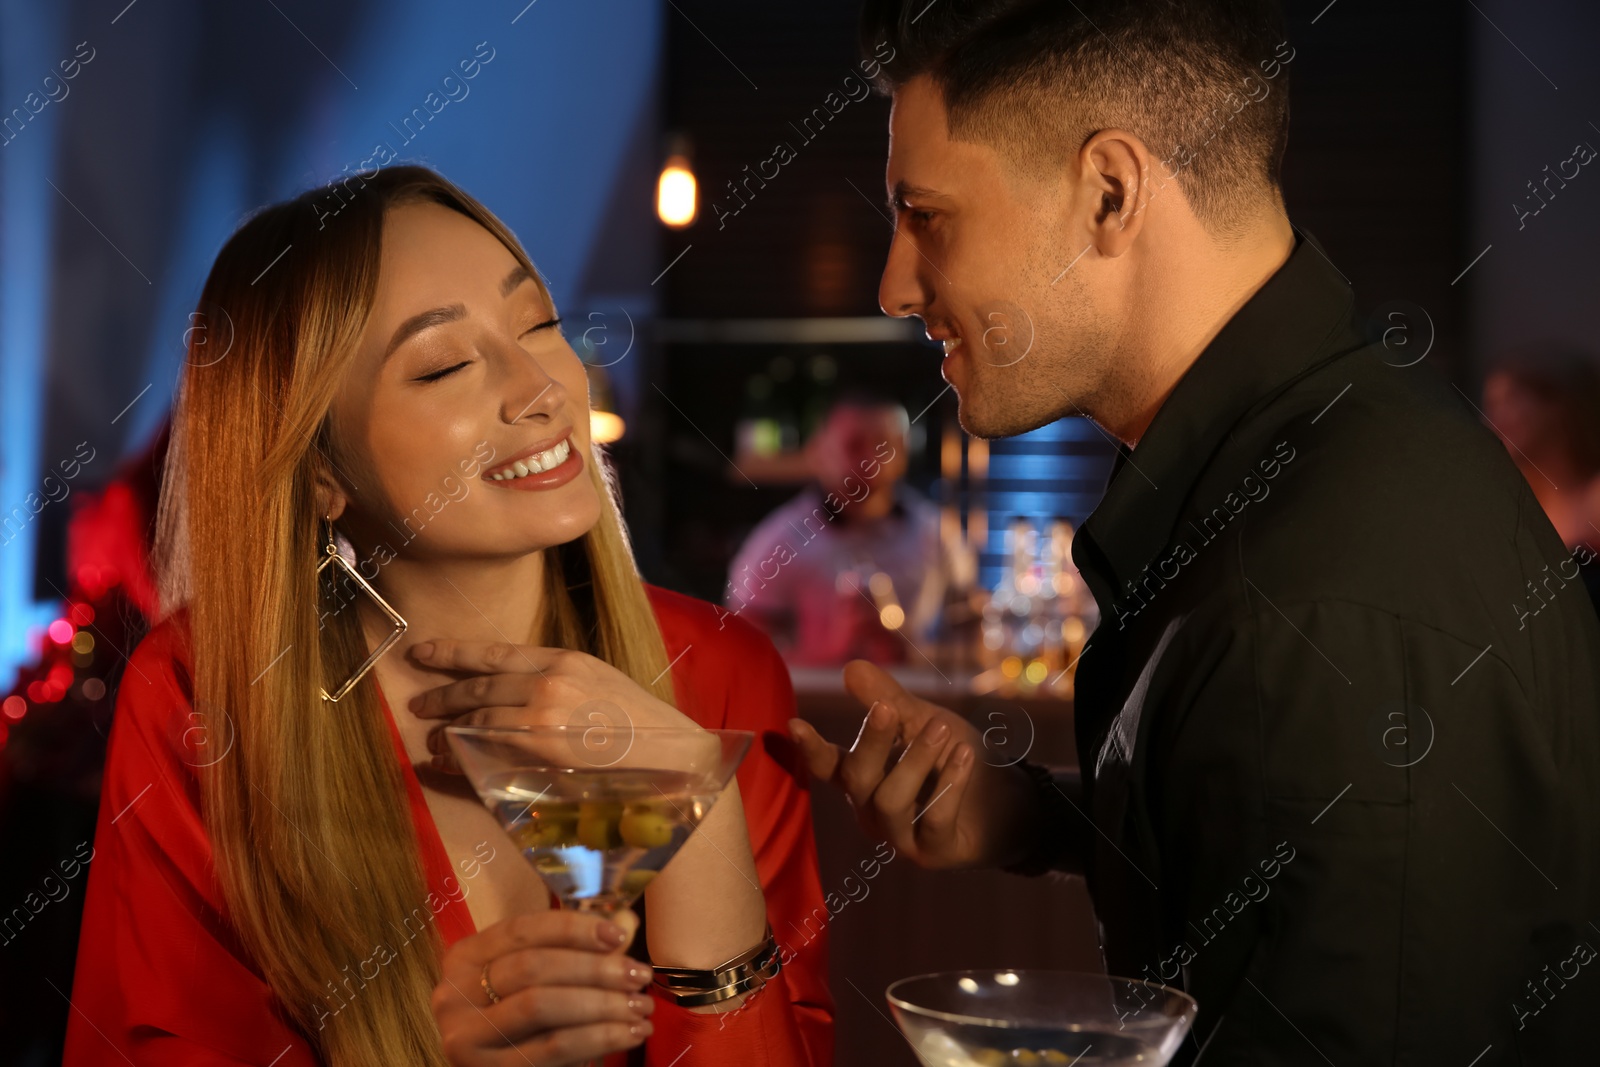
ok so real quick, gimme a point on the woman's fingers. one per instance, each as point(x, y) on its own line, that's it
point(470, 694)
point(545, 929)
point(484, 657)
point(439, 743)
point(573, 1045)
point(537, 1009)
point(566, 991)
point(524, 968)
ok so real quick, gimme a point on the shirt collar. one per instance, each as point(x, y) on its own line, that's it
point(1273, 338)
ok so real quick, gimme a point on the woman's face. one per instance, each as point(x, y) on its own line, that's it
point(461, 371)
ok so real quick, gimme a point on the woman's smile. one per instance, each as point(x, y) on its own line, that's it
point(538, 469)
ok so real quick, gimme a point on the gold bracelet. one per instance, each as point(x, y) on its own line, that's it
point(694, 987)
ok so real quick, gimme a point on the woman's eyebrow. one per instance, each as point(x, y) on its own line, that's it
point(518, 275)
point(439, 316)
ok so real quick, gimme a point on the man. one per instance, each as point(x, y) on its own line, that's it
point(853, 563)
point(1339, 782)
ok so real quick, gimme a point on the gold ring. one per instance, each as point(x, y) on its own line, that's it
point(483, 980)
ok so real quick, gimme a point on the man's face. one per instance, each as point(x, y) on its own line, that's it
point(860, 445)
point(990, 260)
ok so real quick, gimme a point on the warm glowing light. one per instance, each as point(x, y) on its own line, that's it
point(14, 707)
point(1011, 666)
point(606, 427)
point(892, 617)
point(950, 458)
point(677, 193)
point(1036, 671)
point(93, 689)
point(1007, 978)
point(61, 631)
point(83, 642)
point(977, 457)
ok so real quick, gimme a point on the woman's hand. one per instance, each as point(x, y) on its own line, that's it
point(567, 992)
point(526, 685)
point(707, 906)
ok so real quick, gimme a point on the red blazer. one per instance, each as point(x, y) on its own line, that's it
point(162, 979)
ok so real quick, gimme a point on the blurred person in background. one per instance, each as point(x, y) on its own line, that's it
point(1544, 402)
point(853, 567)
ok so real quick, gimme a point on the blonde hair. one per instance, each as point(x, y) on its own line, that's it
point(313, 844)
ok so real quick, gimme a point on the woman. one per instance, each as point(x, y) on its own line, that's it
point(282, 878)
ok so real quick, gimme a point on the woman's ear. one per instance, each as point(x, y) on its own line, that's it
point(331, 497)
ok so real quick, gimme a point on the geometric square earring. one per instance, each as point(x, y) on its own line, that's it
point(333, 558)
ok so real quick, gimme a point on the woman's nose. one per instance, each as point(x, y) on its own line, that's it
point(533, 393)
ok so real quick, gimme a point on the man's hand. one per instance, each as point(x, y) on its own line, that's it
point(916, 780)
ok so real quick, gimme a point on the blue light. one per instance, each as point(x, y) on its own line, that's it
point(28, 209)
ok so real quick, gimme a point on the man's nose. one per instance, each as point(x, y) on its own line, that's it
point(901, 290)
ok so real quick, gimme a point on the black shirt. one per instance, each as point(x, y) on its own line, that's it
point(1339, 725)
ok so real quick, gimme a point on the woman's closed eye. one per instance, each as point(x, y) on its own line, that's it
point(445, 371)
point(436, 375)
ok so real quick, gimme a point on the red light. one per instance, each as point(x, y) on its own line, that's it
point(61, 632)
point(81, 615)
point(13, 708)
point(60, 677)
point(96, 580)
point(36, 691)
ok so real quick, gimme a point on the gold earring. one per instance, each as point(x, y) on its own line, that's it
point(333, 558)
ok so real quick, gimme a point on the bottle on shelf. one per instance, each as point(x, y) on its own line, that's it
point(1038, 619)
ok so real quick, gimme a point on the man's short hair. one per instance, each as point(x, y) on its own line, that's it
point(1037, 78)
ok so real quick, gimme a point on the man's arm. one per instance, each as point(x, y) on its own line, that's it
point(1359, 847)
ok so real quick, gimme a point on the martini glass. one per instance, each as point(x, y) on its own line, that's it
point(987, 1018)
point(598, 810)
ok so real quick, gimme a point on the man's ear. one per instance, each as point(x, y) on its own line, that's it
point(1119, 181)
